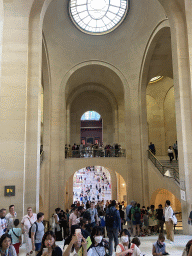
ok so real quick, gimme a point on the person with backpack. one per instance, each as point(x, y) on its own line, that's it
point(15, 233)
point(37, 232)
point(113, 225)
point(136, 218)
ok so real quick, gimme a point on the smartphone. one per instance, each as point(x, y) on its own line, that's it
point(45, 250)
point(77, 231)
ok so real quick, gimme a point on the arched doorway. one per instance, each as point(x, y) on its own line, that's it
point(92, 183)
point(91, 128)
point(161, 195)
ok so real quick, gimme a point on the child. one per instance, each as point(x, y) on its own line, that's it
point(135, 243)
point(123, 248)
point(159, 247)
point(16, 235)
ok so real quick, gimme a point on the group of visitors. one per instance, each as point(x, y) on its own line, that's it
point(94, 150)
point(148, 221)
point(89, 230)
point(169, 151)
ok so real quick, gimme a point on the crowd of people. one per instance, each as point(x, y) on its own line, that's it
point(94, 150)
point(92, 183)
point(101, 229)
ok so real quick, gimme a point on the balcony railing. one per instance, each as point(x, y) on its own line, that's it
point(84, 153)
point(164, 170)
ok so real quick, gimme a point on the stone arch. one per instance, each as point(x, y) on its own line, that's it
point(143, 81)
point(160, 195)
point(69, 189)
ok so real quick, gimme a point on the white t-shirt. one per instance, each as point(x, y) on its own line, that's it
point(168, 213)
point(136, 250)
point(28, 221)
point(10, 219)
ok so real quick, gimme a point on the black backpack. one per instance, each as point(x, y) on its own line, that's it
point(137, 214)
point(110, 218)
point(31, 228)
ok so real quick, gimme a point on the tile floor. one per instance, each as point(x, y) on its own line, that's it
point(174, 249)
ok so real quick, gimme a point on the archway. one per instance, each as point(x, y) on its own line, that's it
point(91, 128)
point(92, 183)
point(161, 195)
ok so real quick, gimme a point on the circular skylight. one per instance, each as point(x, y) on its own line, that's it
point(90, 115)
point(98, 16)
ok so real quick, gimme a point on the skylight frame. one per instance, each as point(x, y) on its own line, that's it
point(109, 26)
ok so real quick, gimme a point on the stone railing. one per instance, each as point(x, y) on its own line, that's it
point(86, 153)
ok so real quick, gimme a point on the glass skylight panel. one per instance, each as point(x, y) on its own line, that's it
point(91, 115)
point(98, 16)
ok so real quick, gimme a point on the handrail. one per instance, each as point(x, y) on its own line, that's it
point(170, 172)
point(87, 153)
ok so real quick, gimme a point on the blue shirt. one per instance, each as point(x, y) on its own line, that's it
point(17, 232)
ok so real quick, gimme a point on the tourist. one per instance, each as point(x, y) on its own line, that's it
point(85, 228)
point(74, 243)
point(135, 243)
point(170, 154)
point(6, 247)
point(175, 148)
point(188, 249)
point(26, 222)
point(97, 247)
point(10, 217)
point(93, 214)
point(73, 218)
point(160, 219)
point(128, 214)
point(113, 225)
point(122, 216)
point(168, 221)
point(58, 231)
point(152, 148)
point(152, 219)
point(159, 246)
point(48, 246)
point(15, 234)
point(37, 232)
point(123, 247)
point(3, 222)
point(136, 219)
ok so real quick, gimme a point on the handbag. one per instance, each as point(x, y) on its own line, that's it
point(174, 219)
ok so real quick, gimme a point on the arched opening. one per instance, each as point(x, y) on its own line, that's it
point(161, 116)
point(92, 183)
point(91, 128)
point(161, 195)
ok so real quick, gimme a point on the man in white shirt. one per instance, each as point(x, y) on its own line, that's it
point(3, 222)
point(10, 217)
point(26, 223)
point(168, 221)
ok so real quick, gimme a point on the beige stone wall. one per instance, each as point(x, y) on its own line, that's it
point(161, 118)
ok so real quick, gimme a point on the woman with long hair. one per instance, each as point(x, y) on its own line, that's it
point(48, 246)
point(6, 247)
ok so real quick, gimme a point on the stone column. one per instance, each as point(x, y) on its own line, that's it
point(13, 97)
point(182, 83)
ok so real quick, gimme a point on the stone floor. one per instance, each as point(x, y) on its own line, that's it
point(174, 249)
